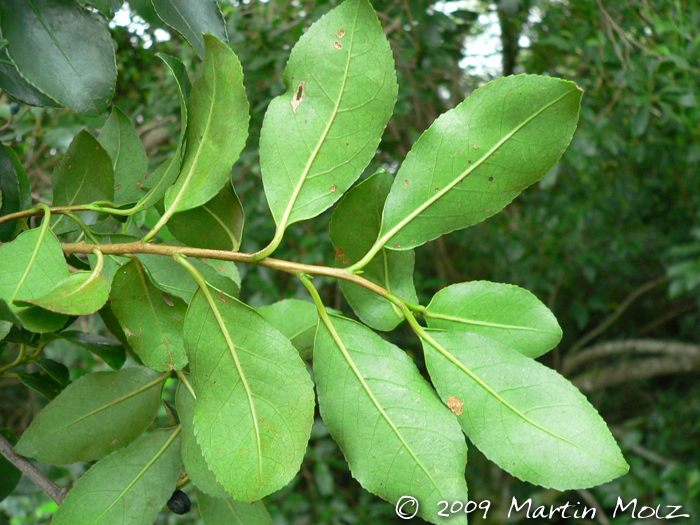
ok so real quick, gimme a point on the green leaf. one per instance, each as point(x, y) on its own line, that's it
point(56, 370)
point(297, 320)
point(109, 350)
point(79, 73)
point(319, 136)
point(107, 7)
point(43, 259)
point(121, 141)
point(5, 327)
point(508, 314)
point(9, 474)
point(226, 269)
point(476, 158)
point(83, 176)
point(170, 277)
point(230, 512)
point(523, 416)
point(81, 293)
point(191, 19)
point(162, 178)
point(397, 437)
point(217, 224)
point(255, 400)
point(12, 83)
point(130, 486)
point(10, 201)
point(41, 382)
point(217, 129)
point(99, 413)
point(193, 459)
point(353, 230)
point(151, 318)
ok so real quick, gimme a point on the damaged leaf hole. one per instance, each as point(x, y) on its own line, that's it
point(332, 188)
point(455, 405)
point(299, 96)
point(340, 34)
point(337, 45)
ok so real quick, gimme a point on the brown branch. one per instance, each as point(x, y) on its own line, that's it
point(28, 469)
point(616, 314)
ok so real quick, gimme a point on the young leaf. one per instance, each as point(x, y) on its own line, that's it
point(162, 178)
point(84, 175)
point(191, 19)
point(80, 73)
point(130, 486)
point(508, 314)
point(353, 230)
point(318, 137)
point(255, 400)
point(109, 350)
point(9, 474)
point(523, 416)
point(217, 224)
point(396, 435)
point(297, 320)
point(12, 83)
point(81, 293)
point(43, 261)
point(216, 131)
point(172, 278)
point(120, 139)
point(230, 512)
point(95, 415)
point(151, 319)
point(477, 157)
point(193, 459)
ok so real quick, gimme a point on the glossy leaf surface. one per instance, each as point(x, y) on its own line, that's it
point(81, 293)
point(476, 158)
point(41, 382)
point(193, 459)
point(110, 351)
point(12, 83)
point(9, 474)
point(129, 486)
point(97, 414)
point(80, 73)
point(9, 194)
point(397, 436)
point(219, 511)
point(297, 320)
point(217, 224)
point(353, 230)
point(508, 314)
point(191, 19)
point(523, 416)
point(255, 399)
point(217, 128)
point(318, 137)
point(151, 318)
point(121, 141)
point(46, 270)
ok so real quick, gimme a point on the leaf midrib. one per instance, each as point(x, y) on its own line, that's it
point(486, 323)
point(420, 209)
point(297, 190)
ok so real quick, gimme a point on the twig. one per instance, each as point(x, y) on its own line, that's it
point(28, 469)
point(615, 315)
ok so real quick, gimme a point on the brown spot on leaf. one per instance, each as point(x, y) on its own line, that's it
point(299, 96)
point(223, 299)
point(167, 299)
point(337, 45)
point(138, 183)
point(339, 254)
point(405, 183)
point(70, 166)
point(340, 34)
point(437, 190)
point(97, 148)
point(117, 186)
point(333, 188)
point(475, 146)
point(397, 245)
point(490, 179)
point(455, 404)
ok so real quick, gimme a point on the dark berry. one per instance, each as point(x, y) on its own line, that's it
point(179, 503)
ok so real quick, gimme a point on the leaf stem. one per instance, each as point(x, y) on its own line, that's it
point(184, 380)
point(20, 359)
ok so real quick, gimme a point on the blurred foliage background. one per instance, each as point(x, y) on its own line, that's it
point(609, 239)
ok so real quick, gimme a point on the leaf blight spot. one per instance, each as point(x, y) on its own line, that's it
point(299, 96)
point(455, 405)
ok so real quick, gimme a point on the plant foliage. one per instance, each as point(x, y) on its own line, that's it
point(245, 400)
